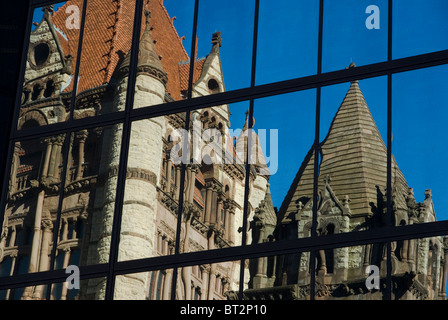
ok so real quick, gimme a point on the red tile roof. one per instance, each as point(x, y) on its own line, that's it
point(108, 35)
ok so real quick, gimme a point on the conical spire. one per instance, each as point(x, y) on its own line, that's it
point(148, 55)
point(353, 155)
point(148, 59)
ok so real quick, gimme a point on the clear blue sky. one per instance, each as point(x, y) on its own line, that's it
point(287, 48)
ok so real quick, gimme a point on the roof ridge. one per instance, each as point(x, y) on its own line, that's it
point(108, 70)
point(172, 26)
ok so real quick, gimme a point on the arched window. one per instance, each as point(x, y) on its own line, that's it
point(36, 92)
point(49, 89)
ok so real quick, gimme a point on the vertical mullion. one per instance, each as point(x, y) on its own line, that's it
point(78, 61)
point(15, 116)
point(316, 153)
point(389, 213)
point(248, 149)
point(186, 148)
point(124, 150)
point(66, 150)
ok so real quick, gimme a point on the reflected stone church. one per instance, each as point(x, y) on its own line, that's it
point(352, 179)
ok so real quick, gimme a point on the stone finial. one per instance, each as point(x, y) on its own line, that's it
point(346, 201)
point(48, 10)
point(428, 193)
point(327, 179)
point(216, 38)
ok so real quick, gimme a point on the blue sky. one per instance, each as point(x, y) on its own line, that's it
point(287, 48)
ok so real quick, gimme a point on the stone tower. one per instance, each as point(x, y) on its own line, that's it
point(143, 172)
point(352, 197)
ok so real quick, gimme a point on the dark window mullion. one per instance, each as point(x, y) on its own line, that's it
point(124, 150)
point(65, 152)
point(15, 117)
point(389, 213)
point(316, 153)
point(78, 61)
point(186, 148)
point(248, 149)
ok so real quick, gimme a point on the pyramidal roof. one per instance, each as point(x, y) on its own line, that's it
point(354, 159)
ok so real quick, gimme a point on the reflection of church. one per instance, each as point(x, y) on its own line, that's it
point(352, 178)
point(213, 194)
point(352, 185)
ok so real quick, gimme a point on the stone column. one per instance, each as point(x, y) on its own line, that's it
point(219, 207)
point(214, 203)
point(64, 266)
point(205, 268)
point(411, 251)
point(232, 224)
point(194, 171)
point(11, 272)
point(15, 163)
point(167, 285)
point(44, 262)
point(226, 220)
point(211, 282)
point(176, 195)
point(36, 232)
point(208, 201)
point(48, 151)
point(368, 249)
point(445, 270)
point(168, 173)
point(82, 137)
point(55, 156)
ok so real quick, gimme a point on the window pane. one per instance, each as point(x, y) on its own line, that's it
point(215, 178)
point(230, 29)
point(73, 290)
point(151, 285)
point(89, 197)
point(163, 62)
point(107, 38)
point(50, 65)
point(353, 31)
point(12, 294)
point(353, 162)
point(287, 40)
point(282, 277)
point(282, 172)
point(419, 27)
point(149, 217)
point(216, 281)
point(419, 143)
point(422, 264)
point(352, 273)
point(32, 206)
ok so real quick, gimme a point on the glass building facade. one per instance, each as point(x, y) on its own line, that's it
point(246, 150)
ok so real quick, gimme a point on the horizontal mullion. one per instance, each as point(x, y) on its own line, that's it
point(78, 124)
point(349, 239)
point(261, 91)
point(298, 84)
point(55, 276)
